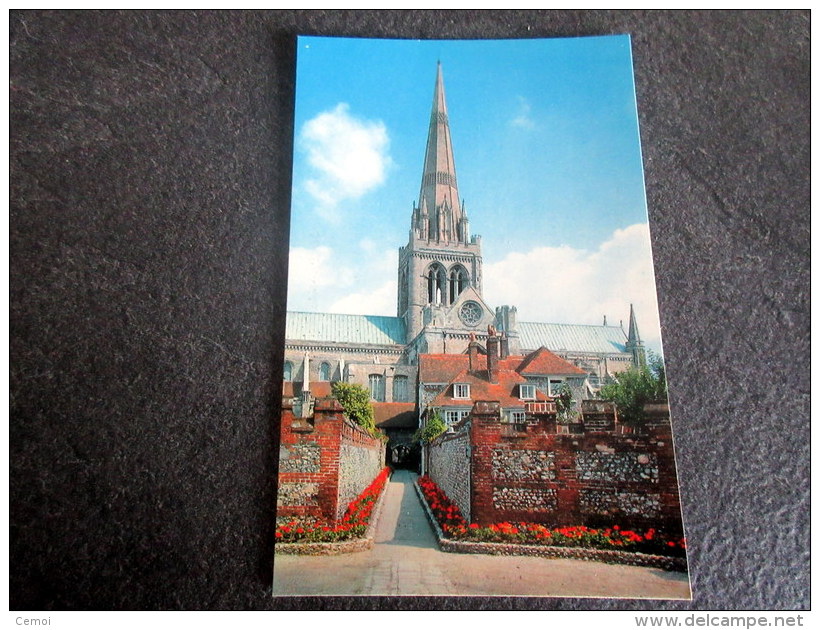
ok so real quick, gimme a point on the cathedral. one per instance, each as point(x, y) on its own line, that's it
point(441, 311)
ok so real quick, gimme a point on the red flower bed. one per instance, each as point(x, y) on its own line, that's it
point(454, 526)
point(446, 512)
point(353, 524)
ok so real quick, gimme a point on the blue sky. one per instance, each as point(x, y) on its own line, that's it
point(548, 162)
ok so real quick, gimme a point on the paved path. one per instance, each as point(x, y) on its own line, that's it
point(406, 561)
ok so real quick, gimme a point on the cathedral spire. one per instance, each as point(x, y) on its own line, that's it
point(438, 197)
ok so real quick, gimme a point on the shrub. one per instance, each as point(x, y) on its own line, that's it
point(635, 387)
point(356, 402)
point(434, 427)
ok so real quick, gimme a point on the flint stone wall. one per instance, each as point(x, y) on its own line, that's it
point(617, 467)
point(358, 466)
point(595, 478)
point(536, 499)
point(325, 462)
point(297, 493)
point(523, 465)
point(299, 458)
point(630, 503)
point(448, 464)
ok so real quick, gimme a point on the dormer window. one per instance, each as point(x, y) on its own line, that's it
point(461, 391)
point(526, 392)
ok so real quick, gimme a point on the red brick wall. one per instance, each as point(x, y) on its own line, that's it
point(593, 478)
point(310, 461)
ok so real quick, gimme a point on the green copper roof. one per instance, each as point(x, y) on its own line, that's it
point(335, 328)
point(572, 337)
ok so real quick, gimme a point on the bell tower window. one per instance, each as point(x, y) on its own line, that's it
point(458, 282)
point(436, 285)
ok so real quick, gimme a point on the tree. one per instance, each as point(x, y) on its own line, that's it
point(434, 427)
point(356, 402)
point(637, 386)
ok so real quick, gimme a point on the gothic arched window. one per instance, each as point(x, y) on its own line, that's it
point(436, 284)
point(376, 382)
point(400, 389)
point(288, 371)
point(324, 371)
point(458, 282)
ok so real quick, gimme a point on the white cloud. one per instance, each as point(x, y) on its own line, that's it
point(522, 117)
point(320, 280)
point(312, 273)
point(563, 284)
point(379, 300)
point(348, 156)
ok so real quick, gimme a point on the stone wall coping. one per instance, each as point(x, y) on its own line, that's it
point(338, 548)
point(447, 437)
point(328, 403)
point(575, 553)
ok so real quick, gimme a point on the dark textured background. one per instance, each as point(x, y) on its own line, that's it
point(150, 175)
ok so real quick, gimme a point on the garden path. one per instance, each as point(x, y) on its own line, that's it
point(406, 560)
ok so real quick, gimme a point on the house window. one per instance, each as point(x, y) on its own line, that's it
point(461, 390)
point(324, 372)
point(554, 386)
point(288, 371)
point(518, 423)
point(452, 416)
point(526, 392)
point(377, 387)
point(400, 389)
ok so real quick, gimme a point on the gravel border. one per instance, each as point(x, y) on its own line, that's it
point(576, 553)
point(337, 548)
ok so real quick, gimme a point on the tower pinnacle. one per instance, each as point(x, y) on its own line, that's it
point(439, 216)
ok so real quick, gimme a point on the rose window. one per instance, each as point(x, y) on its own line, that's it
point(470, 313)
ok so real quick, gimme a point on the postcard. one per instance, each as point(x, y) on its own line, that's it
point(474, 395)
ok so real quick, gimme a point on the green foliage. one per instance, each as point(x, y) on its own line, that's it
point(434, 427)
point(563, 401)
point(356, 402)
point(637, 386)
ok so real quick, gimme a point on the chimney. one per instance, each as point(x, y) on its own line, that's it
point(492, 355)
point(505, 346)
point(472, 352)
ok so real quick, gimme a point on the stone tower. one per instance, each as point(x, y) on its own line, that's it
point(439, 274)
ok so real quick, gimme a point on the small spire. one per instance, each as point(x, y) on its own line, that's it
point(633, 342)
point(634, 336)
